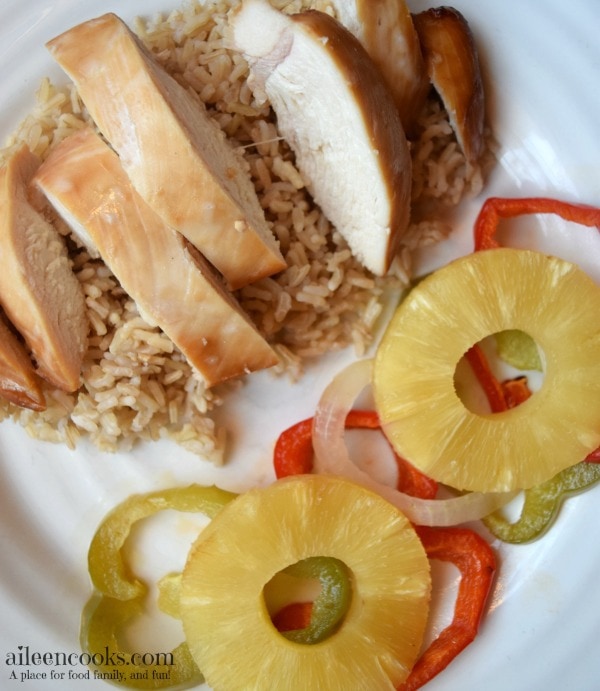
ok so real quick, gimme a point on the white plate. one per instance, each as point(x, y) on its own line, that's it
point(543, 69)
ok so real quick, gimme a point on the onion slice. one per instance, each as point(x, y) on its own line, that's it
point(332, 458)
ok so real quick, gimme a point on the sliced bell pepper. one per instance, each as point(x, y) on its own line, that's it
point(496, 208)
point(593, 457)
point(542, 504)
point(515, 391)
point(103, 623)
point(108, 568)
point(501, 395)
point(169, 588)
point(120, 595)
point(466, 549)
point(488, 382)
point(476, 561)
point(311, 622)
point(303, 622)
point(518, 349)
point(293, 616)
point(293, 454)
point(507, 394)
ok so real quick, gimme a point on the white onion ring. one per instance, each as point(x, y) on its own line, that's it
point(332, 458)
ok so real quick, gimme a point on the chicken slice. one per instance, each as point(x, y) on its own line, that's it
point(386, 30)
point(336, 112)
point(173, 286)
point(453, 67)
point(38, 290)
point(19, 383)
point(176, 156)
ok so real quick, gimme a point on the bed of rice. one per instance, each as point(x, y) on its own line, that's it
point(135, 382)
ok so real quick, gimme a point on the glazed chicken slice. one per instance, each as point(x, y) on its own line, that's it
point(176, 156)
point(386, 30)
point(452, 63)
point(336, 112)
point(39, 293)
point(19, 383)
point(173, 286)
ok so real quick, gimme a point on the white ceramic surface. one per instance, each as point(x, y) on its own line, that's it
point(542, 62)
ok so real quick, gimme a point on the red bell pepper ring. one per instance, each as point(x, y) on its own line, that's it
point(293, 617)
point(472, 555)
point(488, 382)
point(293, 454)
point(507, 394)
point(476, 562)
point(500, 395)
point(515, 391)
point(593, 457)
point(496, 208)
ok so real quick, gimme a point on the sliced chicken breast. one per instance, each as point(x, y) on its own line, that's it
point(385, 28)
point(336, 112)
point(38, 290)
point(452, 63)
point(173, 286)
point(176, 156)
point(19, 383)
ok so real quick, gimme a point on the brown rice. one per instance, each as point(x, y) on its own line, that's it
point(135, 383)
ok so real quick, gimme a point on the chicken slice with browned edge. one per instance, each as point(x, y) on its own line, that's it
point(452, 63)
point(176, 156)
point(38, 290)
point(172, 285)
point(386, 30)
point(336, 112)
point(19, 383)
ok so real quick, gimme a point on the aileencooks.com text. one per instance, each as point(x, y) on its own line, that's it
point(24, 664)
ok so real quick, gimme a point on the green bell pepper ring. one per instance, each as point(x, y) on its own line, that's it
point(104, 620)
point(120, 595)
point(110, 573)
point(302, 622)
point(169, 588)
point(330, 606)
point(542, 504)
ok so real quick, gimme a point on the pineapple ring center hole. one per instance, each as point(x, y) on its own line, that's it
point(516, 362)
point(308, 600)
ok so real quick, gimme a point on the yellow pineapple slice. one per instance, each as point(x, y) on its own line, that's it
point(225, 618)
point(552, 301)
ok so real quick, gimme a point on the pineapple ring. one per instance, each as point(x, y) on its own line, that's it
point(550, 299)
point(225, 618)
